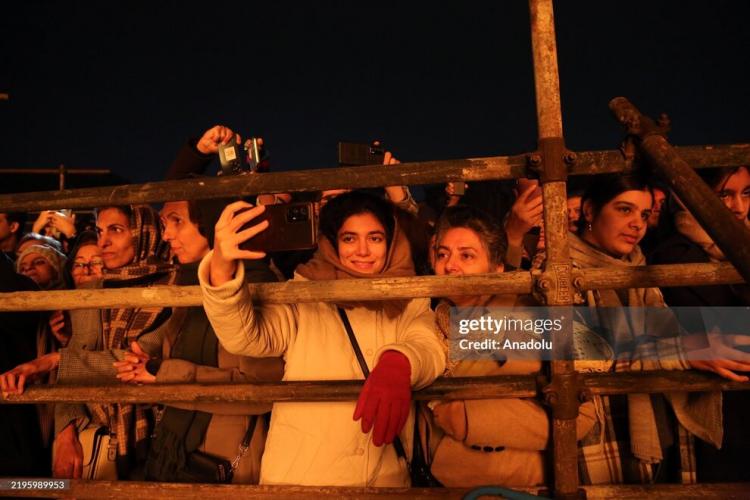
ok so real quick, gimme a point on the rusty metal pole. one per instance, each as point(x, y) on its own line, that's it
point(728, 232)
point(555, 282)
point(61, 176)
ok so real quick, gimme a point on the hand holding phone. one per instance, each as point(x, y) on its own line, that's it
point(291, 226)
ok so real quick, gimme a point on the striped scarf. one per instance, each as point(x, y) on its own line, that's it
point(642, 342)
point(130, 423)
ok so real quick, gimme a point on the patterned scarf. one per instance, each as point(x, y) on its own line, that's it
point(325, 265)
point(122, 326)
point(642, 342)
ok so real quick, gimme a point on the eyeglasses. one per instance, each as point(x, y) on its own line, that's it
point(80, 266)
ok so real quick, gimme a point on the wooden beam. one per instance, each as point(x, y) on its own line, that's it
point(472, 169)
point(730, 234)
point(345, 390)
point(518, 282)
point(286, 292)
point(127, 490)
point(658, 381)
point(497, 387)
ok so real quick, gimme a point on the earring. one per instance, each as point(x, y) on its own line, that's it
point(588, 227)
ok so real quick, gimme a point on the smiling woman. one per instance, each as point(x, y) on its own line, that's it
point(359, 239)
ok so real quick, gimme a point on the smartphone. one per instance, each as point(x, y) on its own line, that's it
point(355, 154)
point(291, 226)
point(459, 188)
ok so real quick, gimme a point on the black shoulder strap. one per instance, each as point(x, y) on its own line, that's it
point(353, 341)
point(397, 445)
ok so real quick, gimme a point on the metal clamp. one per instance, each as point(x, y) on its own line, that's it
point(553, 285)
point(564, 394)
point(637, 124)
point(550, 163)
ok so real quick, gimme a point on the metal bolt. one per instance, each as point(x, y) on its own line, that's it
point(535, 159)
point(570, 157)
point(551, 398)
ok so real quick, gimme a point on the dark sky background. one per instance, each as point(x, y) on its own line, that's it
point(121, 85)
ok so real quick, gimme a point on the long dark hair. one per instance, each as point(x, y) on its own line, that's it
point(335, 212)
point(604, 188)
point(715, 177)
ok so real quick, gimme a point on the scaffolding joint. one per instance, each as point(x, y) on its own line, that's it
point(636, 123)
point(564, 394)
point(558, 283)
point(552, 161)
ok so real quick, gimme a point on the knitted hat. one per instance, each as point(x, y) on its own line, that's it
point(55, 259)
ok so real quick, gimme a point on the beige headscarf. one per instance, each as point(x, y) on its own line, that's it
point(326, 265)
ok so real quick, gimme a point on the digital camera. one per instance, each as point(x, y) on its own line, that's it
point(244, 158)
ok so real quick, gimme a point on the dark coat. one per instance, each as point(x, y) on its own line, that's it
point(21, 450)
point(729, 464)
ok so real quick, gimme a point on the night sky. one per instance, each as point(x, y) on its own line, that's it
point(122, 85)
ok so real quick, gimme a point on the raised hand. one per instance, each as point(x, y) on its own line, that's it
point(213, 137)
point(228, 238)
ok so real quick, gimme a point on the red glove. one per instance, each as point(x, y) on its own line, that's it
point(385, 399)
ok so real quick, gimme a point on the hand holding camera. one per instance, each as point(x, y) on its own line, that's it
point(214, 137)
point(63, 222)
point(237, 158)
point(54, 223)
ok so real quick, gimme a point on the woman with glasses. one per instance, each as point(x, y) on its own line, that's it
point(85, 264)
point(129, 239)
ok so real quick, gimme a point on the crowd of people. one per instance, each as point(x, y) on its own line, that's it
point(395, 345)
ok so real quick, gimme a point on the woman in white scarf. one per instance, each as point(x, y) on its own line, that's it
point(615, 211)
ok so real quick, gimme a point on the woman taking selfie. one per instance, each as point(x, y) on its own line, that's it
point(321, 443)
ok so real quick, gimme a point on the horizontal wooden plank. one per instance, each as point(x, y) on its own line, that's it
point(179, 491)
point(286, 292)
point(658, 381)
point(413, 173)
point(509, 386)
point(137, 489)
point(344, 390)
point(372, 289)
